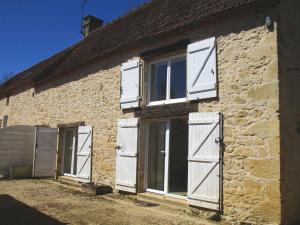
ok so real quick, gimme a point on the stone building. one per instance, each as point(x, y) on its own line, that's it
point(193, 100)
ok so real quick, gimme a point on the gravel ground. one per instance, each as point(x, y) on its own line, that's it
point(41, 202)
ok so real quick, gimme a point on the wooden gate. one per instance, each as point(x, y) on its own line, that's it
point(44, 160)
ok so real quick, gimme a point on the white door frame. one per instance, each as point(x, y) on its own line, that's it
point(167, 157)
point(73, 152)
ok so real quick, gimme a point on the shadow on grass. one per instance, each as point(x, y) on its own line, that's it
point(14, 212)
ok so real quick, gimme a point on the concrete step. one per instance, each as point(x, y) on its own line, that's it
point(59, 183)
point(86, 188)
point(97, 189)
point(175, 203)
point(70, 181)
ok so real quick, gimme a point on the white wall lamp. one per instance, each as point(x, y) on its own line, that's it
point(268, 22)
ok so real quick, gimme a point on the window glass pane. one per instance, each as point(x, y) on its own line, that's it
point(75, 153)
point(178, 78)
point(158, 81)
point(68, 150)
point(156, 156)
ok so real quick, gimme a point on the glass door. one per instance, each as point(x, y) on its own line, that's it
point(70, 152)
point(167, 157)
point(156, 156)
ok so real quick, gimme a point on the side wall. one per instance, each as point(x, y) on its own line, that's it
point(248, 98)
point(289, 61)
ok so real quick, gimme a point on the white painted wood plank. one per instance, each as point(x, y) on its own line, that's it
point(126, 155)
point(45, 152)
point(84, 154)
point(204, 160)
point(202, 70)
point(130, 84)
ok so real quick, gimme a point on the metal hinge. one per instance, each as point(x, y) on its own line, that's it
point(219, 140)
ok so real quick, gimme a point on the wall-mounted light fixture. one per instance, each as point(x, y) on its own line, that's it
point(268, 22)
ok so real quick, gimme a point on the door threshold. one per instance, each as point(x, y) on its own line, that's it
point(183, 197)
point(167, 200)
point(171, 195)
point(67, 178)
point(163, 194)
point(68, 175)
point(155, 191)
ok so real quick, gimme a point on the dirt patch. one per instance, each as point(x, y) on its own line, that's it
point(41, 202)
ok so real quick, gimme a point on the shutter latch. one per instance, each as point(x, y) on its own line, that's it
point(219, 140)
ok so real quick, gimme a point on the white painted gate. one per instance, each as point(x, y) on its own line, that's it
point(84, 154)
point(204, 160)
point(126, 151)
point(44, 161)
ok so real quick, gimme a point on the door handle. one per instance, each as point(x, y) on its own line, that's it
point(163, 152)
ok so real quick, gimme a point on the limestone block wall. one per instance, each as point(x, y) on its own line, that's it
point(248, 98)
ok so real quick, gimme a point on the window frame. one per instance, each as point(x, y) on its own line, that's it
point(168, 100)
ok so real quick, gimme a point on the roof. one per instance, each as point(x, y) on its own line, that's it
point(147, 21)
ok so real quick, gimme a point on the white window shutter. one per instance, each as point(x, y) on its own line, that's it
point(204, 160)
point(202, 70)
point(84, 154)
point(130, 84)
point(126, 155)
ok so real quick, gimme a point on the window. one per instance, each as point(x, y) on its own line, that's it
point(5, 120)
point(7, 101)
point(167, 81)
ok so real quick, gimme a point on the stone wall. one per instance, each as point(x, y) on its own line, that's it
point(248, 98)
point(289, 64)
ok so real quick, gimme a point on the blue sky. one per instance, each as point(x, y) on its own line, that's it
point(33, 30)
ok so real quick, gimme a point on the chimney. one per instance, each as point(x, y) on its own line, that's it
point(89, 24)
